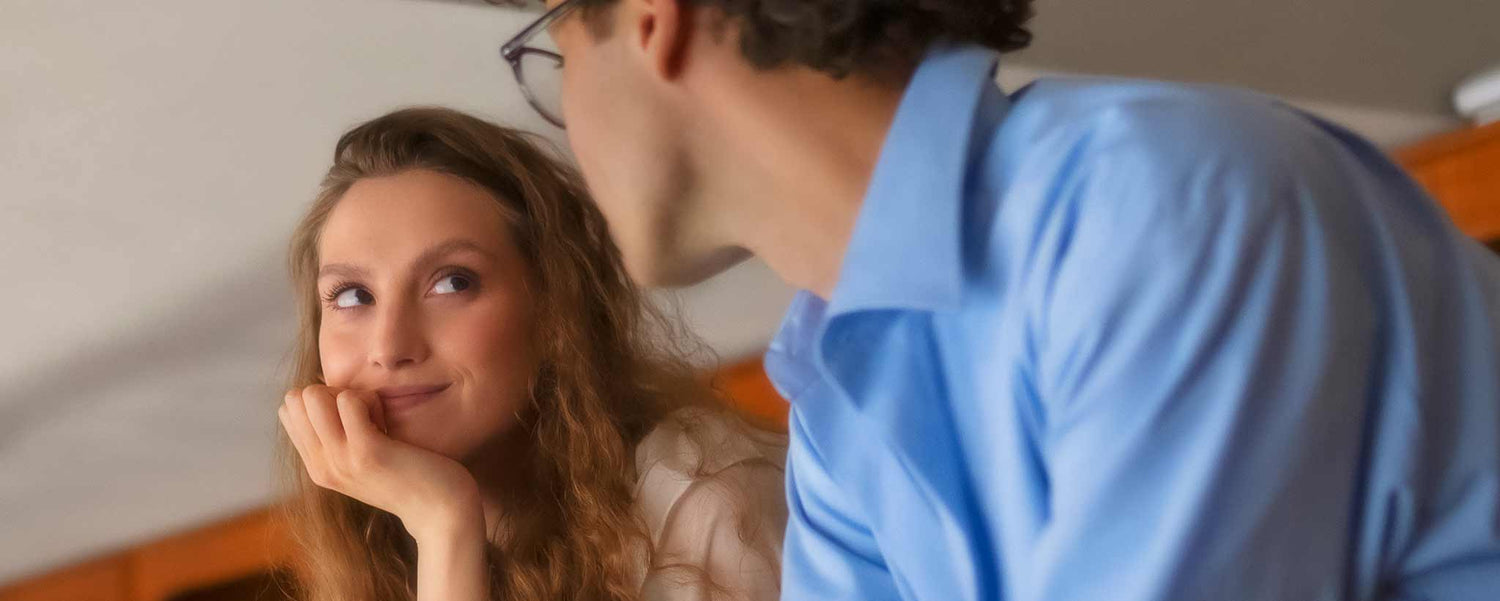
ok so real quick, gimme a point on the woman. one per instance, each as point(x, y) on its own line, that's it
point(484, 406)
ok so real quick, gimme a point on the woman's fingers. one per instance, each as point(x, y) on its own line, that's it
point(355, 415)
point(323, 413)
point(293, 416)
point(377, 412)
point(340, 438)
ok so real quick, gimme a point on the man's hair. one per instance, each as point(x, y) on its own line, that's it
point(841, 37)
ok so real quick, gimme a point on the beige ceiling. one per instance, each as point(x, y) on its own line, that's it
point(1393, 54)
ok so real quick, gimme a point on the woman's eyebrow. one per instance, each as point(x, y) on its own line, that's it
point(431, 255)
point(344, 270)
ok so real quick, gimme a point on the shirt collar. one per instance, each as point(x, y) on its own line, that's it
point(906, 248)
point(789, 361)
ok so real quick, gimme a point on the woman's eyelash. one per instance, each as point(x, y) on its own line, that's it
point(344, 286)
point(461, 272)
point(337, 289)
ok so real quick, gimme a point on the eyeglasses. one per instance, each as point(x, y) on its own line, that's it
point(538, 70)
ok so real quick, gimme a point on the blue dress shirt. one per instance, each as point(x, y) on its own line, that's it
point(1128, 341)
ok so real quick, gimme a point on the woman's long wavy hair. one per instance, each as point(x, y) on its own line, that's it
point(612, 367)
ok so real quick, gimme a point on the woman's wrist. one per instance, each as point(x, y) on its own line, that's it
point(458, 521)
point(455, 537)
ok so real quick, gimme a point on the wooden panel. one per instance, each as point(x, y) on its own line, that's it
point(100, 580)
point(262, 586)
point(1462, 170)
point(252, 543)
point(751, 391)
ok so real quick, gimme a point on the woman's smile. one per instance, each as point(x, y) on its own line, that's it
point(398, 399)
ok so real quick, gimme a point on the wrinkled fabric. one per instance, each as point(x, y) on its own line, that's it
point(1135, 341)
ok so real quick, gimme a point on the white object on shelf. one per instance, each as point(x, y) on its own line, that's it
point(1478, 97)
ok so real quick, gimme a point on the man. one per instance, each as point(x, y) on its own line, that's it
point(1094, 340)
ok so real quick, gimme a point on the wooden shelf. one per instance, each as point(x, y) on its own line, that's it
point(1462, 170)
point(244, 546)
point(99, 580)
point(751, 392)
point(250, 544)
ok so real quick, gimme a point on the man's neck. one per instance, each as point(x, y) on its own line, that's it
point(804, 149)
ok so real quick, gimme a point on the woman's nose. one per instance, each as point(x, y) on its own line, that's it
point(398, 339)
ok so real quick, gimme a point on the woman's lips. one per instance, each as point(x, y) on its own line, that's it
point(400, 398)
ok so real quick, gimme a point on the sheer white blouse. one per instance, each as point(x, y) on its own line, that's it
point(711, 493)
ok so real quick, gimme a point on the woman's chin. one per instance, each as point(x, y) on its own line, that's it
point(421, 438)
point(436, 433)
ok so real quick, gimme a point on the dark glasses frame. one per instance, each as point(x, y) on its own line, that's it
point(516, 49)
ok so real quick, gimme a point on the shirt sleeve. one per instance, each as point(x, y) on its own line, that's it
point(1205, 361)
point(722, 538)
point(830, 555)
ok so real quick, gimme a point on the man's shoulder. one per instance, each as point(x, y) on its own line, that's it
point(1097, 167)
point(1123, 151)
point(1159, 127)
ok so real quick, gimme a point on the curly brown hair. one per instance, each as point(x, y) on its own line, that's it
point(840, 37)
point(613, 368)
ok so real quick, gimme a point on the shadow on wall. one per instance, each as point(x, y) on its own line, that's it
point(234, 314)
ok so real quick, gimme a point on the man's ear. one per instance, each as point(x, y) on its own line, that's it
point(661, 30)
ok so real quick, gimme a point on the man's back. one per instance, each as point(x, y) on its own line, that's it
point(1160, 342)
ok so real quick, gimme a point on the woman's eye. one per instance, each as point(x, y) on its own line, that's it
point(353, 297)
point(451, 284)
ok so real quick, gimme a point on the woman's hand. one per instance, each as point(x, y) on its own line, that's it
point(340, 437)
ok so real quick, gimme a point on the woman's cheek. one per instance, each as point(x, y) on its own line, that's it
point(488, 339)
point(495, 344)
point(336, 353)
